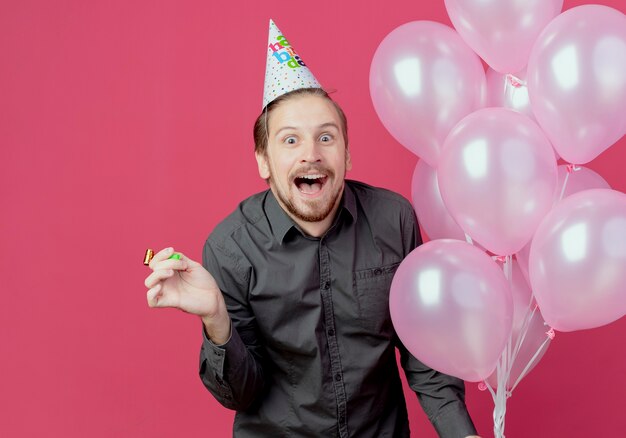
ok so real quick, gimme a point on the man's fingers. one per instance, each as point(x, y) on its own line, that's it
point(174, 264)
point(153, 295)
point(157, 276)
point(190, 263)
point(183, 260)
point(164, 254)
point(162, 260)
point(156, 297)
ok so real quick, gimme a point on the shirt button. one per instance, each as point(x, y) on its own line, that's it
point(337, 377)
point(331, 332)
point(378, 271)
point(326, 285)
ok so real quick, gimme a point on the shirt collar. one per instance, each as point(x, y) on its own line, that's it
point(281, 223)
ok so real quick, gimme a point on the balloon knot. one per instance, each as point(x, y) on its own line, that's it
point(501, 259)
point(482, 386)
point(515, 81)
point(572, 168)
point(551, 333)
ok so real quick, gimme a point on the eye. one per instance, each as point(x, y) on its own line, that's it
point(326, 138)
point(290, 140)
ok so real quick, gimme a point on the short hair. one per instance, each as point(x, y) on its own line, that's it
point(261, 133)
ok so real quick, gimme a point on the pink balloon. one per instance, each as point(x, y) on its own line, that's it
point(451, 307)
point(510, 91)
point(534, 336)
point(423, 80)
point(578, 261)
point(431, 212)
point(578, 180)
point(502, 32)
point(577, 81)
point(497, 176)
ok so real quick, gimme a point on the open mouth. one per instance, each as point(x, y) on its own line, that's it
point(310, 184)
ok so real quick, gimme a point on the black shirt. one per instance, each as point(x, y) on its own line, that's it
point(312, 352)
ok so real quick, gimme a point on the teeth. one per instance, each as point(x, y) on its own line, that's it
point(312, 176)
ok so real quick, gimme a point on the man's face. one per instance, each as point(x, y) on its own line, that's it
point(306, 157)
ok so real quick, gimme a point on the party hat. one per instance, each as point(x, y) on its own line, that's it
point(285, 71)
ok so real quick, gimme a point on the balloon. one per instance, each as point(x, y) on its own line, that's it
point(509, 91)
point(497, 176)
point(577, 181)
point(451, 307)
point(423, 80)
point(577, 261)
point(502, 32)
point(535, 337)
point(577, 81)
point(431, 212)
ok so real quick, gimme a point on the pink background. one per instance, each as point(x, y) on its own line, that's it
point(126, 125)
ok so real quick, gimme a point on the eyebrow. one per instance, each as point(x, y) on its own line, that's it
point(322, 126)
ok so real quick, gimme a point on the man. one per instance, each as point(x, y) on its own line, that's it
point(294, 299)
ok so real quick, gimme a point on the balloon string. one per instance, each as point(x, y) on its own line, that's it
point(564, 185)
point(522, 336)
point(485, 385)
point(570, 168)
point(502, 394)
point(468, 239)
point(528, 316)
point(503, 367)
point(531, 362)
point(509, 276)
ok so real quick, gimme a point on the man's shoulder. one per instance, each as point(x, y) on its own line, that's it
point(376, 197)
point(248, 213)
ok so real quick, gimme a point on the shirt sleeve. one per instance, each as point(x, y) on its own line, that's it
point(232, 372)
point(441, 396)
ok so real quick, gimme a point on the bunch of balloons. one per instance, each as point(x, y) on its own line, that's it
point(489, 143)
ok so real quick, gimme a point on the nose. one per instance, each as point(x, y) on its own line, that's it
point(311, 152)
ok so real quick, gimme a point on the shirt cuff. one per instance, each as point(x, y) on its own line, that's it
point(454, 422)
point(214, 354)
point(206, 338)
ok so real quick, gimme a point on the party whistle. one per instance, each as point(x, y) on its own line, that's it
point(150, 253)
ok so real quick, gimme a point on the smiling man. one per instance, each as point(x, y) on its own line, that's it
point(305, 157)
point(294, 291)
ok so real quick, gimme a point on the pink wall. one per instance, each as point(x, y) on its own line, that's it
point(127, 124)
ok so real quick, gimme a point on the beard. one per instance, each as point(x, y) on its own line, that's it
point(313, 210)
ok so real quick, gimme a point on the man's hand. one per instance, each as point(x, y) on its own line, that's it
point(185, 284)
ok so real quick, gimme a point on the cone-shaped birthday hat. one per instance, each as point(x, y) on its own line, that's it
point(285, 71)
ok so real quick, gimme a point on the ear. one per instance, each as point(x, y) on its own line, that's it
point(348, 160)
point(263, 164)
